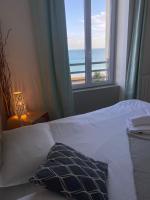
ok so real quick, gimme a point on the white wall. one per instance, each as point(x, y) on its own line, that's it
point(21, 54)
point(122, 33)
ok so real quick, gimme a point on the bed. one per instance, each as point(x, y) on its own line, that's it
point(101, 135)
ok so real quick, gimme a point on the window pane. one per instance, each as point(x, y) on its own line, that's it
point(75, 33)
point(100, 40)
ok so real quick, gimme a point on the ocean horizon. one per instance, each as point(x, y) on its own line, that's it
point(78, 56)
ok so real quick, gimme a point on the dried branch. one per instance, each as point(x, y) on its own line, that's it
point(5, 75)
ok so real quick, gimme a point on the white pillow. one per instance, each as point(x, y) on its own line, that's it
point(24, 149)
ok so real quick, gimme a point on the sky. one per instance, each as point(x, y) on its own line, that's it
point(75, 23)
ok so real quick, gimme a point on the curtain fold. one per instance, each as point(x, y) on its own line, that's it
point(134, 62)
point(49, 26)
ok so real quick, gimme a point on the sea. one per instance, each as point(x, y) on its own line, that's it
point(78, 56)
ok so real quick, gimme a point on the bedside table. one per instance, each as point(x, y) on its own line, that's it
point(29, 119)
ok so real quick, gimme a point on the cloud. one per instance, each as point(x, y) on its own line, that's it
point(98, 30)
point(99, 23)
point(76, 40)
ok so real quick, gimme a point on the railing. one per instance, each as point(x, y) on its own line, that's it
point(80, 74)
point(93, 63)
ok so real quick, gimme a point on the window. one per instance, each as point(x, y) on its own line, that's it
point(91, 38)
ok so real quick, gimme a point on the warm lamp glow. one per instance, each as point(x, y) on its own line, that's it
point(24, 117)
point(19, 103)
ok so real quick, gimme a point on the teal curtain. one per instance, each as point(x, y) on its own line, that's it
point(49, 27)
point(134, 63)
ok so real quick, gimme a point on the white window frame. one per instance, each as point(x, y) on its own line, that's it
point(88, 41)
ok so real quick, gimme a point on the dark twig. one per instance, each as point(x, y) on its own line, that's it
point(5, 75)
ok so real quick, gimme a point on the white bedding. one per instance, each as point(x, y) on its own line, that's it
point(102, 135)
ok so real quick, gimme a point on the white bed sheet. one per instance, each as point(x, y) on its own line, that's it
point(102, 135)
point(43, 195)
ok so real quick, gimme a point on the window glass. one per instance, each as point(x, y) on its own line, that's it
point(89, 23)
point(99, 28)
point(75, 32)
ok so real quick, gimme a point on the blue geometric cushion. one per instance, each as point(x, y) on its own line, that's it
point(72, 174)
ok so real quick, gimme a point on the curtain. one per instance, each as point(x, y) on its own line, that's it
point(49, 26)
point(137, 21)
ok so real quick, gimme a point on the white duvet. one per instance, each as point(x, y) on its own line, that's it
point(102, 136)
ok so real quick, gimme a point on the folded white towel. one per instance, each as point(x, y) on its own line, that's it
point(145, 129)
point(139, 135)
point(142, 120)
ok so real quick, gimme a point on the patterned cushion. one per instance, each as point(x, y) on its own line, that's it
point(72, 174)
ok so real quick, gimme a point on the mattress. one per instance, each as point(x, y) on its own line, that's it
point(101, 135)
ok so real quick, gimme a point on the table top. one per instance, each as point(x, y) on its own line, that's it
point(28, 119)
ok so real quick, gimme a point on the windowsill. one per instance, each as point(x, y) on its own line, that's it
point(94, 88)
